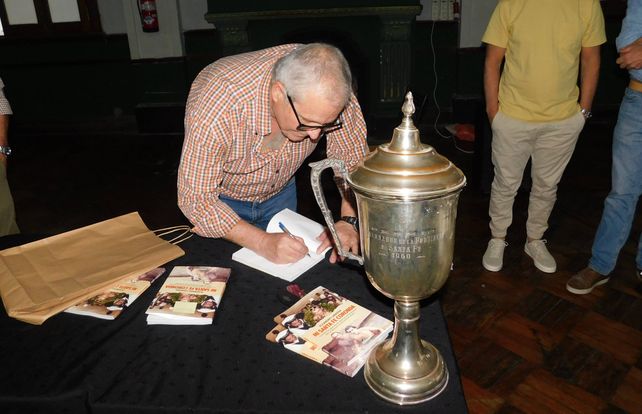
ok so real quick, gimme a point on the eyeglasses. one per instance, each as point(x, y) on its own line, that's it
point(325, 128)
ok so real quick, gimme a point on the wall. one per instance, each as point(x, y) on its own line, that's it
point(77, 79)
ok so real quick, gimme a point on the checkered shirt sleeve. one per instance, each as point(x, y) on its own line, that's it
point(5, 108)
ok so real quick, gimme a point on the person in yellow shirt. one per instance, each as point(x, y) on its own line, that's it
point(536, 108)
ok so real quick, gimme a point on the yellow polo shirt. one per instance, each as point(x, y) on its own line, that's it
point(543, 40)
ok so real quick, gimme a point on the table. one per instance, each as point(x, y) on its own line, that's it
point(78, 364)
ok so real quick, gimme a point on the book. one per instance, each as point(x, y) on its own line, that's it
point(300, 226)
point(110, 303)
point(331, 330)
point(190, 295)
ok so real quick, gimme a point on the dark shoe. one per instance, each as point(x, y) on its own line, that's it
point(585, 281)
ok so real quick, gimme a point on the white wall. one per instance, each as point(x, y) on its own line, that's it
point(191, 12)
point(475, 15)
point(193, 15)
point(167, 42)
point(112, 18)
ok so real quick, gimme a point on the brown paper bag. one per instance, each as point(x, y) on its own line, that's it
point(45, 277)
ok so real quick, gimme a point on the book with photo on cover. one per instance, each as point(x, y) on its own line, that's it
point(110, 303)
point(190, 295)
point(299, 226)
point(331, 330)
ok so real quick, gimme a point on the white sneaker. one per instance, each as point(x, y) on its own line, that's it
point(541, 257)
point(493, 259)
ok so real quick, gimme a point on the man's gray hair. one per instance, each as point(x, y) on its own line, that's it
point(315, 67)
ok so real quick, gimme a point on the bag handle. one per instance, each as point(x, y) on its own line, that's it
point(186, 233)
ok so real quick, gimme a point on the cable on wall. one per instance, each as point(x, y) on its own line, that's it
point(434, 94)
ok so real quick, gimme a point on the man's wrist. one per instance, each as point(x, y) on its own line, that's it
point(351, 220)
point(586, 112)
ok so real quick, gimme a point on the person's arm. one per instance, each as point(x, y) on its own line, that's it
point(492, 74)
point(4, 136)
point(348, 144)
point(631, 56)
point(590, 73)
point(205, 148)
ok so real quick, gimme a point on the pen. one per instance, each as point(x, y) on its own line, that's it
point(286, 231)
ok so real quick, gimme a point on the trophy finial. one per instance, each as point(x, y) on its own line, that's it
point(408, 107)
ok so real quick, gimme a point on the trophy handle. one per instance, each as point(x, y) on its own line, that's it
point(317, 168)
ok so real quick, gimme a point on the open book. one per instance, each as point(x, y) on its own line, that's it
point(331, 330)
point(298, 225)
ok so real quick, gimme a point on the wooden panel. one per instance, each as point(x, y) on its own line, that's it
point(543, 393)
point(617, 339)
point(628, 394)
point(520, 336)
point(596, 372)
point(493, 367)
point(621, 307)
point(480, 400)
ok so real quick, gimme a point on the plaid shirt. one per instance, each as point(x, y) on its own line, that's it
point(5, 108)
point(226, 118)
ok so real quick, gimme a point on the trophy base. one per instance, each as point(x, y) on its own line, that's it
point(404, 391)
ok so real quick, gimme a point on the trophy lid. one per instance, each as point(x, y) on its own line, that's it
point(405, 168)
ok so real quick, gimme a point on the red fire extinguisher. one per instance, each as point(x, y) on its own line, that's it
point(148, 16)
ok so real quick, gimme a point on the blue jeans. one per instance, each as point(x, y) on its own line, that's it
point(259, 214)
point(626, 187)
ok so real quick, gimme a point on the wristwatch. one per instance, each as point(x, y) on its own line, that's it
point(586, 113)
point(5, 150)
point(352, 220)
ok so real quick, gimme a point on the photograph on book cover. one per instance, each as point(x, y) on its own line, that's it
point(110, 303)
point(292, 342)
point(330, 329)
point(190, 292)
point(313, 307)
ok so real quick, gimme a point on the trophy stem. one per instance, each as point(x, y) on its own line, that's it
point(406, 369)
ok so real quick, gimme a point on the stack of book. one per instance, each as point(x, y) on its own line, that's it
point(190, 296)
point(331, 330)
point(110, 303)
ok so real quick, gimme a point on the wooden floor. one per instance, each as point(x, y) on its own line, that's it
point(523, 343)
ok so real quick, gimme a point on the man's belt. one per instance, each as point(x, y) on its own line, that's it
point(635, 85)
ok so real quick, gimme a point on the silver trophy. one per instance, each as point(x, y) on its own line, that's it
point(406, 196)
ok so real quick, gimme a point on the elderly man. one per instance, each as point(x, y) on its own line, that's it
point(626, 175)
point(535, 107)
point(251, 120)
point(7, 211)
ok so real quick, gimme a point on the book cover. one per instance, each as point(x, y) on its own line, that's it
point(110, 303)
point(190, 295)
point(331, 330)
point(300, 226)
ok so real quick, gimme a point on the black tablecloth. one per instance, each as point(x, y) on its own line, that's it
point(80, 364)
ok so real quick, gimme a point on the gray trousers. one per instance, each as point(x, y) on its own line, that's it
point(7, 211)
point(549, 145)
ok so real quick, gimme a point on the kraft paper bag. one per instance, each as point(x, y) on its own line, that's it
point(45, 277)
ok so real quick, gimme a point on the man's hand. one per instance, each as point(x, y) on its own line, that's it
point(631, 56)
point(280, 248)
point(348, 236)
point(276, 247)
point(492, 112)
point(3, 160)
